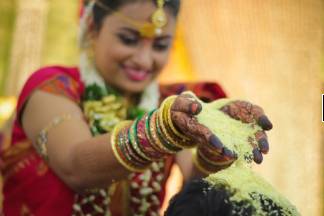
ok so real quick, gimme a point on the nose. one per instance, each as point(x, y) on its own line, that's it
point(143, 58)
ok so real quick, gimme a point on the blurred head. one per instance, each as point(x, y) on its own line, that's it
point(200, 198)
point(126, 59)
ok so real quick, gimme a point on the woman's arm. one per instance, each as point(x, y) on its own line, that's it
point(80, 160)
point(83, 162)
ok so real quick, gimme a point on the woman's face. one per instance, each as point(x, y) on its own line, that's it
point(124, 58)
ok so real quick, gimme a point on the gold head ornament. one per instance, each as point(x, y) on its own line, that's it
point(146, 29)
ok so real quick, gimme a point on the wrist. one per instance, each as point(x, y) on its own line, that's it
point(151, 138)
point(208, 161)
point(168, 127)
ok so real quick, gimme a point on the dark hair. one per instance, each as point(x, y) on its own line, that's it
point(99, 14)
point(199, 198)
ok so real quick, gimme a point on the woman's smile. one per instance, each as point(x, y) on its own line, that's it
point(136, 74)
point(125, 59)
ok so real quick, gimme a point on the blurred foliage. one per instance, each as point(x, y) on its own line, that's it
point(7, 18)
point(61, 33)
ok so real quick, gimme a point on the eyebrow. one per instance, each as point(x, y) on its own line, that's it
point(135, 32)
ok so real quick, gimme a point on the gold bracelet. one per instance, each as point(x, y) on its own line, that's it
point(211, 161)
point(167, 113)
point(165, 124)
point(42, 138)
point(178, 138)
point(182, 139)
point(170, 137)
point(114, 142)
point(168, 141)
point(155, 136)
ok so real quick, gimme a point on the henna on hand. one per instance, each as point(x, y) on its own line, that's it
point(262, 140)
point(183, 114)
point(247, 113)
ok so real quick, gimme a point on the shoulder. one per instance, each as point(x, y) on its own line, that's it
point(206, 91)
point(52, 79)
point(46, 73)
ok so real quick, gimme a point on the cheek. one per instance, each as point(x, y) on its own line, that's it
point(110, 53)
point(161, 60)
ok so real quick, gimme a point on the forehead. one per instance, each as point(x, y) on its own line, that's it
point(140, 12)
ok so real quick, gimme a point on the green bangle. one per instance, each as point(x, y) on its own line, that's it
point(155, 136)
point(132, 135)
point(148, 132)
point(165, 142)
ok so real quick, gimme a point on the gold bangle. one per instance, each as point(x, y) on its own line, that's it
point(211, 161)
point(167, 112)
point(170, 137)
point(153, 130)
point(150, 137)
point(168, 141)
point(164, 127)
point(114, 141)
point(180, 138)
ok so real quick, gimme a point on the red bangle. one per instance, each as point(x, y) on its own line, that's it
point(145, 144)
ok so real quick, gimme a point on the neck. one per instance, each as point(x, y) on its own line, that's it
point(132, 99)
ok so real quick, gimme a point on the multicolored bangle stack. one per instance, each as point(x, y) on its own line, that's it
point(138, 143)
point(209, 161)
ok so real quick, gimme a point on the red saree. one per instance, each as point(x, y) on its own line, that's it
point(30, 186)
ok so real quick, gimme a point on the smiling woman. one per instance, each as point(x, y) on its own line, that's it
point(100, 138)
point(134, 61)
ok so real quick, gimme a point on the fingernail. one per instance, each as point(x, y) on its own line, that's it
point(263, 145)
point(216, 142)
point(265, 123)
point(257, 156)
point(195, 108)
point(235, 156)
point(228, 153)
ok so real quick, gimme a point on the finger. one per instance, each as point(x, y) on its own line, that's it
point(196, 131)
point(257, 156)
point(215, 162)
point(240, 110)
point(217, 158)
point(186, 103)
point(228, 154)
point(232, 110)
point(261, 118)
point(264, 122)
point(264, 145)
point(190, 127)
point(214, 141)
point(262, 140)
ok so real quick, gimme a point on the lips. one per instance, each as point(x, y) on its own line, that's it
point(136, 74)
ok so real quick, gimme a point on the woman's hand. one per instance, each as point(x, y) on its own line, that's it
point(249, 113)
point(183, 112)
point(186, 107)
